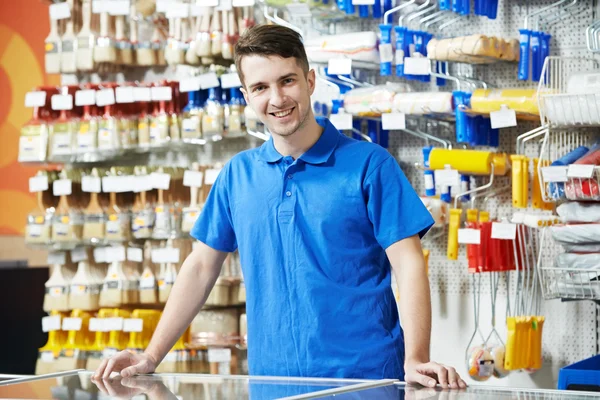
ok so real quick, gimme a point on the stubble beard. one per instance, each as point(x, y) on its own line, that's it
point(289, 132)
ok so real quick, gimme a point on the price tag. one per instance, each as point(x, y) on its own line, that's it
point(142, 94)
point(416, 66)
point(504, 230)
point(100, 6)
point(189, 85)
point(69, 79)
point(178, 10)
point(160, 180)
point(231, 80)
point(300, 10)
point(133, 325)
point(447, 177)
point(38, 183)
point(225, 5)
point(504, 118)
point(35, 99)
point(135, 254)
point(113, 324)
point(386, 54)
point(117, 184)
point(51, 323)
point(78, 254)
point(580, 171)
point(363, 2)
point(219, 355)
point(115, 254)
point(339, 66)
point(96, 325)
point(342, 121)
point(469, 236)
point(91, 184)
point(143, 183)
point(209, 80)
point(124, 94)
point(105, 97)
point(163, 5)
point(192, 178)
point(165, 255)
point(197, 10)
point(62, 102)
point(85, 97)
point(243, 3)
point(57, 257)
point(161, 93)
point(60, 11)
point(211, 175)
point(62, 187)
point(119, 7)
point(100, 254)
point(555, 174)
point(392, 121)
point(71, 324)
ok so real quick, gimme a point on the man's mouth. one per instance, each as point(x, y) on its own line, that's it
point(281, 114)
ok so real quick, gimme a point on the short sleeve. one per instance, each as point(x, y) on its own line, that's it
point(214, 226)
point(394, 208)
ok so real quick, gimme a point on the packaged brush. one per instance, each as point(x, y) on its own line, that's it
point(118, 227)
point(68, 58)
point(213, 118)
point(57, 289)
point(84, 292)
point(53, 45)
point(143, 213)
point(86, 40)
point(148, 284)
point(94, 225)
point(191, 213)
point(192, 117)
point(73, 354)
point(39, 220)
point(33, 141)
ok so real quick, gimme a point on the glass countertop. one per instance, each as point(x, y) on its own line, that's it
point(77, 385)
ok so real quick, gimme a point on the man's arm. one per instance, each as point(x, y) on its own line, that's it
point(408, 267)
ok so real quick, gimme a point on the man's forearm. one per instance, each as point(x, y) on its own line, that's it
point(189, 293)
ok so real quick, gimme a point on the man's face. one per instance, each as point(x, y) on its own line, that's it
point(278, 92)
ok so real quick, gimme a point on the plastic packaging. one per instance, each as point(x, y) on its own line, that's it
point(419, 103)
point(519, 100)
point(578, 261)
point(573, 211)
point(576, 234)
point(475, 49)
point(359, 46)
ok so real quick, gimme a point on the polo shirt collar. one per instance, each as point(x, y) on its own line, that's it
point(319, 153)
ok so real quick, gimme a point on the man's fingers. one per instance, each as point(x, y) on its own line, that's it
point(130, 371)
point(453, 378)
point(421, 379)
point(442, 374)
point(109, 368)
point(100, 370)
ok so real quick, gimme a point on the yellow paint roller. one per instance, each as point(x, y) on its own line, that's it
point(501, 163)
point(520, 100)
point(467, 162)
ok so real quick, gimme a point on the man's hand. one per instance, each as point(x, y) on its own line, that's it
point(127, 364)
point(431, 373)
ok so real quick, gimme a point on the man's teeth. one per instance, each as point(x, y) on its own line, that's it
point(282, 113)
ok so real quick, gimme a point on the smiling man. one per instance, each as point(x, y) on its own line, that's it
point(321, 221)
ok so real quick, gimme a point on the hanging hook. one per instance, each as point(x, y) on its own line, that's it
point(396, 9)
point(477, 189)
point(541, 11)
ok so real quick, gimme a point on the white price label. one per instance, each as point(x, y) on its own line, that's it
point(504, 118)
point(243, 3)
point(85, 97)
point(62, 187)
point(225, 5)
point(165, 255)
point(178, 10)
point(469, 236)
point(555, 174)
point(208, 80)
point(143, 183)
point(504, 230)
point(79, 254)
point(51, 323)
point(339, 66)
point(60, 11)
point(105, 97)
point(300, 10)
point(35, 99)
point(135, 254)
point(197, 10)
point(47, 356)
point(96, 325)
point(447, 177)
point(189, 85)
point(100, 255)
point(57, 258)
point(71, 324)
point(163, 5)
point(386, 54)
point(580, 171)
point(416, 66)
point(363, 2)
point(142, 94)
point(392, 121)
point(91, 184)
point(160, 180)
point(341, 121)
point(115, 254)
point(211, 175)
point(113, 324)
point(38, 183)
point(192, 178)
point(119, 7)
point(124, 94)
point(161, 93)
point(62, 102)
point(133, 325)
point(219, 355)
point(231, 80)
point(100, 6)
point(117, 184)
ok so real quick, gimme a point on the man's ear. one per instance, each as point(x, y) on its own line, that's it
point(245, 93)
point(311, 79)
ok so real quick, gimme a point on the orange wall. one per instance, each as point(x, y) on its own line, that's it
point(23, 27)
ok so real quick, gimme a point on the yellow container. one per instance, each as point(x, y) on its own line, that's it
point(467, 162)
point(520, 100)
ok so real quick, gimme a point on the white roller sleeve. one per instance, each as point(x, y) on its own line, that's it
point(371, 100)
point(578, 261)
point(438, 210)
point(576, 234)
point(420, 103)
point(573, 211)
point(359, 46)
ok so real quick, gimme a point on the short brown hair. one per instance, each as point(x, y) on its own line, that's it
point(270, 40)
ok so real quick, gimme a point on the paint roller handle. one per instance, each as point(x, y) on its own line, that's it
point(453, 226)
point(536, 66)
point(524, 36)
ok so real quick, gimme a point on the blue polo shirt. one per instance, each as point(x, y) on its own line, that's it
point(311, 235)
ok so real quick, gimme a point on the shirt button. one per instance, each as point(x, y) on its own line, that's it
point(290, 176)
point(288, 193)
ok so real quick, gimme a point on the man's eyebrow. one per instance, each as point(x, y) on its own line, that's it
point(286, 76)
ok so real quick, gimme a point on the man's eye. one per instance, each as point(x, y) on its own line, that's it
point(288, 80)
point(259, 89)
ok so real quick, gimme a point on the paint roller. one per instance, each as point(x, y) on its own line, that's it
point(469, 162)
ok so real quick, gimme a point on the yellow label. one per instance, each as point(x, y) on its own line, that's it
point(69, 353)
point(193, 214)
point(114, 276)
point(81, 288)
point(64, 220)
point(113, 217)
point(56, 291)
point(84, 128)
point(39, 220)
point(161, 283)
point(153, 125)
point(139, 221)
point(147, 275)
point(49, 46)
point(142, 125)
point(159, 209)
